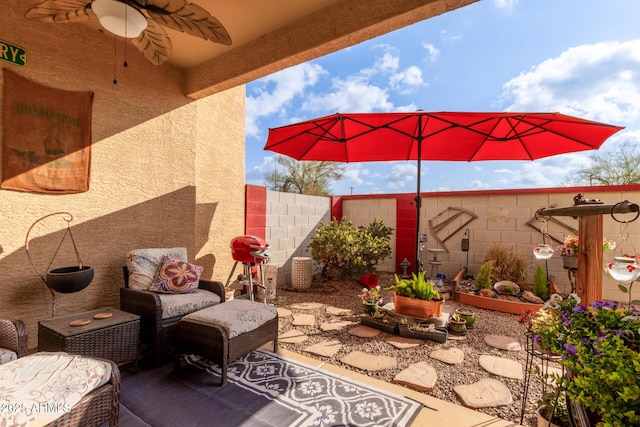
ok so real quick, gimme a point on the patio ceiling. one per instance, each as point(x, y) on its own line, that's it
point(270, 35)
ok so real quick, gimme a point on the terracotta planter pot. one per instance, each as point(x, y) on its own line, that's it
point(495, 304)
point(417, 307)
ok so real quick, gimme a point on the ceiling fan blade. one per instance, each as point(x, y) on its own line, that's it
point(61, 11)
point(154, 43)
point(188, 17)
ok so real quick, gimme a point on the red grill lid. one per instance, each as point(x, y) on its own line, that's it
point(250, 249)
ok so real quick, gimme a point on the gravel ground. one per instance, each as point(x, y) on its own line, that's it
point(344, 294)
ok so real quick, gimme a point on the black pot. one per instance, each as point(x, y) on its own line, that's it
point(69, 279)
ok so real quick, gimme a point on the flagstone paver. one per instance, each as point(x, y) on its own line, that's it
point(453, 337)
point(283, 312)
point(447, 354)
point(403, 343)
point(303, 320)
point(486, 393)
point(292, 336)
point(336, 311)
point(369, 362)
point(325, 348)
point(364, 332)
point(307, 305)
point(419, 376)
point(503, 342)
point(334, 325)
point(501, 366)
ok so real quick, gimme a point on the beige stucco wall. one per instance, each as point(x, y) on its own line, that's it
point(165, 171)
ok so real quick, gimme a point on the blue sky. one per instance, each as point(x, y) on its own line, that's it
point(578, 57)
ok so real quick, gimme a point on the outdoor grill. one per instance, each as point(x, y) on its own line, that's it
point(253, 252)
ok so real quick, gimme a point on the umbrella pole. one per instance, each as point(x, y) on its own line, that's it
point(418, 201)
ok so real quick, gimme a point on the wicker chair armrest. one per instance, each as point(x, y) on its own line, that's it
point(143, 303)
point(213, 286)
point(13, 335)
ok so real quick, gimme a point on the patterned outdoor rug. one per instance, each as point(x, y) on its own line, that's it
point(263, 389)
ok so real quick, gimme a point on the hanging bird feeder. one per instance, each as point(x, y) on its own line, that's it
point(64, 279)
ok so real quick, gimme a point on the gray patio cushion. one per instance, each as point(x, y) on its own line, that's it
point(174, 305)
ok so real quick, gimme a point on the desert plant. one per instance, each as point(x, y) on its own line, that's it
point(540, 284)
point(508, 264)
point(483, 278)
point(415, 287)
point(347, 251)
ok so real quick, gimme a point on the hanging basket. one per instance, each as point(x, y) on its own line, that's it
point(65, 279)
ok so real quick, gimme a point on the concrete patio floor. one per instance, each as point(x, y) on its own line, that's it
point(436, 413)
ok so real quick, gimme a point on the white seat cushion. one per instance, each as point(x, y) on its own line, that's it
point(174, 305)
point(39, 388)
point(7, 355)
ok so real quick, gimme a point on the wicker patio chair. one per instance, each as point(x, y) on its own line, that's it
point(13, 340)
point(155, 331)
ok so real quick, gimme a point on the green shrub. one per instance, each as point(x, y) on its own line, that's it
point(508, 264)
point(415, 287)
point(540, 284)
point(483, 278)
point(346, 251)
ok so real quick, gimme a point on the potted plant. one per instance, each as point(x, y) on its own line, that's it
point(422, 331)
point(552, 410)
point(569, 250)
point(416, 297)
point(599, 348)
point(468, 316)
point(457, 324)
point(370, 298)
point(380, 320)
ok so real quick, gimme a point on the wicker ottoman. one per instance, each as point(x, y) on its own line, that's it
point(226, 332)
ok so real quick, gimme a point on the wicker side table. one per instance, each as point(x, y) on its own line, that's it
point(115, 338)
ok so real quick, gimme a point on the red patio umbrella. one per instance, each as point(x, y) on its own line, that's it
point(448, 136)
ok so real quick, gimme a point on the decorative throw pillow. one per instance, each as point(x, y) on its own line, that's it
point(143, 264)
point(177, 277)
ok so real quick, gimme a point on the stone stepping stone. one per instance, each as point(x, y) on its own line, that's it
point(303, 320)
point(283, 312)
point(364, 332)
point(325, 348)
point(403, 343)
point(447, 354)
point(453, 337)
point(486, 393)
point(307, 306)
point(292, 336)
point(336, 311)
point(419, 376)
point(503, 342)
point(334, 325)
point(500, 366)
point(368, 362)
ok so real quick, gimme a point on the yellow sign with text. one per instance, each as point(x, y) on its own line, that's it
point(13, 54)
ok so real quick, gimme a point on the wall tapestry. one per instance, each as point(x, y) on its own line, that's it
point(47, 137)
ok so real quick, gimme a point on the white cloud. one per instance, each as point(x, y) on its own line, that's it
point(401, 174)
point(277, 90)
point(505, 4)
point(598, 82)
point(407, 80)
point(354, 94)
point(479, 185)
point(354, 174)
point(434, 53)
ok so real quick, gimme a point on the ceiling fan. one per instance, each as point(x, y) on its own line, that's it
point(143, 21)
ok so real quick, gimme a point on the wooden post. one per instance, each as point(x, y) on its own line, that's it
point(590, 259)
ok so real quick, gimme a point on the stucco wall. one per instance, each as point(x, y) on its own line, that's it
point(165, 171)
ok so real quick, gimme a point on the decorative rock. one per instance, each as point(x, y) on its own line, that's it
point(325, 348)
point(334, 325)
point(307, 305)
point(503, 342)
point(364, 332)
point(486, 393)
point(498, 286)
point(369, 362)
point(500, 366)
point(487, 293)
point(453, 337)
point(292, 336)
point(419, 376)
point(336, 311)
point(403, 343)
point(303, 320)
point(447, 354)
point(283, 312)
point(531, 297)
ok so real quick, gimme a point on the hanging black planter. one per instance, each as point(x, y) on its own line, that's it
point(65, 279)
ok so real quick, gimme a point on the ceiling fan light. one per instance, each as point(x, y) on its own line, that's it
point(119, 18)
